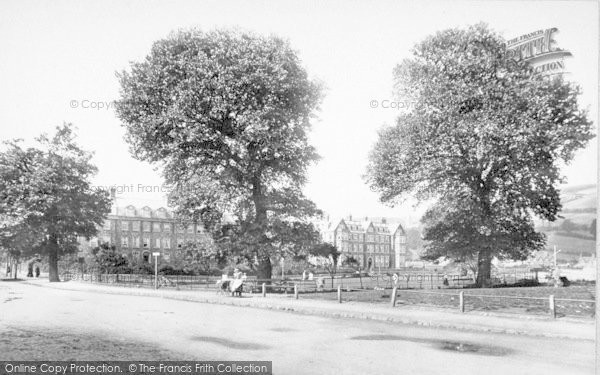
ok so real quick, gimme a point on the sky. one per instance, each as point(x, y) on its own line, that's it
point(59, 61)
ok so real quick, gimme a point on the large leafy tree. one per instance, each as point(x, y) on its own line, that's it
point(226, 115)
point(485, 140)
point(46, 197)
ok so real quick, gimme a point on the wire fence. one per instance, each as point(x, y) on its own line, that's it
point(430, 290)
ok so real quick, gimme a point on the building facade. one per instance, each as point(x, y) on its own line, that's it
point(375, 244)
point(137, 233)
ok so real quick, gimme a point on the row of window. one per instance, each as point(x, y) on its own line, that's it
point(358, 247)
point(148, 226)
point(366, 237)
point(144, 242)
point(146, 212)
point(382, 261)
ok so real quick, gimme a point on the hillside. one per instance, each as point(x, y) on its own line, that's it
point(573, 238)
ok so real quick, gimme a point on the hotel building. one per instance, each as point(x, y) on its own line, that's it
point(375, 244)
point(137, 233)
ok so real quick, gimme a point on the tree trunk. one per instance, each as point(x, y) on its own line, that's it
point(264, 268)
point(264, 260)
point(484, 269)
point(53, 263)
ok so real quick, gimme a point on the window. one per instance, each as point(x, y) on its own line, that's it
point(135, 254)
point(136, 242)
point(146, 242)
point(146, 212)
point(190, 229)
point(135, 226)
point(157, 243)
point(180, 243)
point(156, 227)
point(129, 211)
point(146, 226)
point(124, 241)
point(167, 227)
point(167, 243)
point(124, 225)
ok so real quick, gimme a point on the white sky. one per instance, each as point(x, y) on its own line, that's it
point(62, 51)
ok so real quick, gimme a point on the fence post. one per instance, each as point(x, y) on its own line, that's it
point(552, 306)
point(296, 291)
point(264, 290)
point(339, 292)
point(394, 296)
point(461, 301)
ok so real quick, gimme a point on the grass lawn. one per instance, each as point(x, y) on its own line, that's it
point(571, 247)
point(498, 299)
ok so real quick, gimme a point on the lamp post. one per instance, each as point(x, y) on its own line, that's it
point(555, 260)
point(155, 255)
point(556, 271)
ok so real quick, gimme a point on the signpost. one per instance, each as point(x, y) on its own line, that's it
point(155, 255)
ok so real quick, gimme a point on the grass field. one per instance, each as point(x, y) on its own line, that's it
point(571, 247)
point(497, 299)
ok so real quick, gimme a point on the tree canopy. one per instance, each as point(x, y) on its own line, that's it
point(226, 115)
point(46, 198)
point(485, 140)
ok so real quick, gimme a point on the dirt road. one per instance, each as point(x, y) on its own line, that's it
point(50, 324)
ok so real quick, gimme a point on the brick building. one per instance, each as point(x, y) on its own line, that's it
point(137, 233)
point(375, 244)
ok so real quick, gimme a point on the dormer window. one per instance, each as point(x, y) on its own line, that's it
point(130, 211)
point(146, 212)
